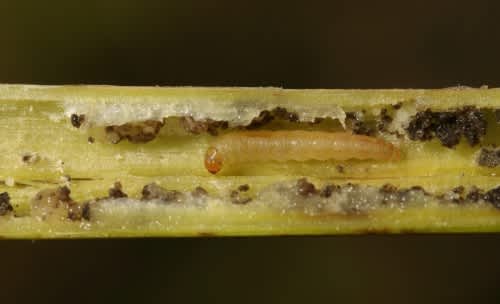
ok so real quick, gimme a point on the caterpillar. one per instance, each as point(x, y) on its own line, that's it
point(295, 145)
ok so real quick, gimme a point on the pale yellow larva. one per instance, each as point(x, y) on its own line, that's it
point(295, 145)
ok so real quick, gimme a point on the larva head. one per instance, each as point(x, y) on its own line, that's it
point(213, 160)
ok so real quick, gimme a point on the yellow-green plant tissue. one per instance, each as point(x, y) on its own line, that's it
point(108, 161)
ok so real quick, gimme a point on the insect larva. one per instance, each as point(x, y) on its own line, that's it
point(295, 145)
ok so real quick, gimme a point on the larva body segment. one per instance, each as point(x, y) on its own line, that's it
point(295, 145)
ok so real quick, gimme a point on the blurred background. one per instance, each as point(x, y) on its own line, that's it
point(308, 44)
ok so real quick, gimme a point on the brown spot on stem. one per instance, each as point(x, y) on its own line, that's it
point(448, 127)
point(30, 158)
point(238, 198)
point(86, 213)
point(199, 192)
point(135, 132)
point(77, 120)
point(475, 194)
point(493, 197)
point(340, 169)
point(384, 121)
point(116, 191)
point(154, 191)
point(459, 190)
point(55, 201)
point(243, 188)
point(210, 126)
point(397, 106)
point(328, 190)
point(267, 116)
point(489, 157)
point(5, 206)
point(358, 125)
point(283, 113)
point(305, 188)
point(388, 188)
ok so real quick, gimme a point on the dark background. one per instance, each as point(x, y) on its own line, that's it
point(335, 44)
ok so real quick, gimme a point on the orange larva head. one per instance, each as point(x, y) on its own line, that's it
point(213, 160)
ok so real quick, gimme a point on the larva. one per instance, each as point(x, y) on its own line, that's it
point(295, 145)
